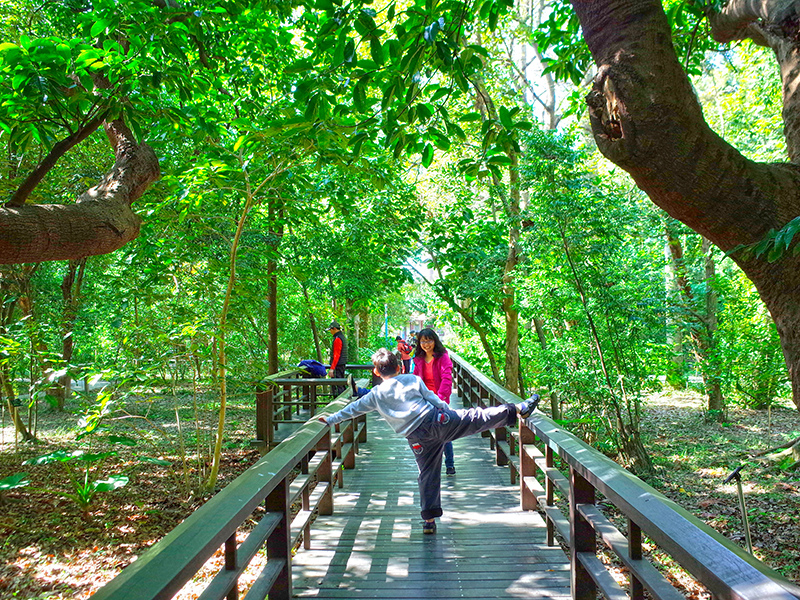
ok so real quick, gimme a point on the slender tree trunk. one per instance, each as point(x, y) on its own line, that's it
point(512, 213)
point(222, 363)
point(555, 401)
point(312, 323)
point(702, 330)
point(276, 233)
point(7, 309)
point(712, 374)
point(676, 369)
point(512, 365)
point(70, 293)
point(627, 428)
point(364, 327)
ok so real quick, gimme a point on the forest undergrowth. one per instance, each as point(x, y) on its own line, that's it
point(51, 550)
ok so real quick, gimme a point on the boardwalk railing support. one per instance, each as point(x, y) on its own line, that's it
point(292, 483)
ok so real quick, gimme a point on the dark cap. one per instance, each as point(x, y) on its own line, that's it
point(398, 338)
point(334, 325)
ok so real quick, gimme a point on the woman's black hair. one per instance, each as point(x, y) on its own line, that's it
point(438, 346)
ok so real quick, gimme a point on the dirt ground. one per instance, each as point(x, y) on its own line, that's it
point(50, 550)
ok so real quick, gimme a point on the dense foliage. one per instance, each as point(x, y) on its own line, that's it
point(324, 160)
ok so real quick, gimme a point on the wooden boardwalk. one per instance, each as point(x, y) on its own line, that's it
point(373, 545)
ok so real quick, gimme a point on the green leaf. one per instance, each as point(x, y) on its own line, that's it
point(11, 482)
point(376, 51)
point(110, 484)
point(99, 27)
point(505, 118)
point(154, 461)
point(95, 456)
point(122, 439)
point(57, 456)
point(299, 66)
point(427, 156)
point(360, 97)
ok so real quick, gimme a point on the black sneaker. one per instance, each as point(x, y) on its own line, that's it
point(353, 386)
point(526, 408)
point(450, 471)
point(429, 527)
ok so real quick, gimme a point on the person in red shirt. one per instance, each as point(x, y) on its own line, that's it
point(405, 353)
point(338, 356)
point(433, 365)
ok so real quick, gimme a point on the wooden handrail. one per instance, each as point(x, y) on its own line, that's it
point(712, 559)
point(318, 451)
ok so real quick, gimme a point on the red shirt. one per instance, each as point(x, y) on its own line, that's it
point(427, 375)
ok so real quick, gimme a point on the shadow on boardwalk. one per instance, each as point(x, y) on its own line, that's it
point(373, 546)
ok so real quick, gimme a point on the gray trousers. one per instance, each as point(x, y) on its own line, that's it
point(441, 426)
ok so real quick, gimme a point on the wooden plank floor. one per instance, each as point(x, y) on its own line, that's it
point(373, 545)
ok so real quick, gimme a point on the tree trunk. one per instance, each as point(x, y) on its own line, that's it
point(364, 328)
point(510, 309)
point(7, 305)
point(712, 374)
point(555, 401)
point(222, 363)
point(98, 223)
point(676, 369)
point(70, 293)
point(703, 324)
point(312, 323)
point(276, 233)
point(512, 210)
point(646, 119)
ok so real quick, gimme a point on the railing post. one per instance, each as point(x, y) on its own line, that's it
point(312, 399)
point(500, 459)
point(582, 536)
point(286, 397)
point(264, 403)
point(230, 564)
point(362, 435)
point(338, 449)
point(549, 493)
point(635, 552)
point(349, 461)
point(325, 474)
point(527, 467)
point(279, 545)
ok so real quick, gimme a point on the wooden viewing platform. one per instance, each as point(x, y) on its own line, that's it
point(373, 545)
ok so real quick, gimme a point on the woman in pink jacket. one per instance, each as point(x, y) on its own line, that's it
point(433, 365)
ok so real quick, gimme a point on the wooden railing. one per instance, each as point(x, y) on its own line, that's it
point(282, 396)
point(475, 389)
point(726, 570)
point(291, 483)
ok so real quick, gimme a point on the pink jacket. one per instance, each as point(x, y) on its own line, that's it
point(442, 374)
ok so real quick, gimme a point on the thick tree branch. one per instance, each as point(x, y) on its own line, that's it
point(101, 220)
point(646, 119)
